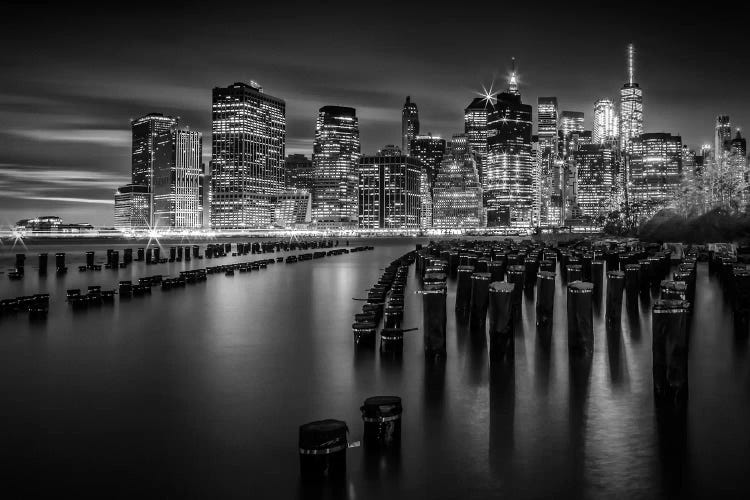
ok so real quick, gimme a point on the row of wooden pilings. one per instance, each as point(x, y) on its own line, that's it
point(176, 254)
point(38, 305)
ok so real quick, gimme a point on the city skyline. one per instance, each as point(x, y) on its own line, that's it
point(66, 142)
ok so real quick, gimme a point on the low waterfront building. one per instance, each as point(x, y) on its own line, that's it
point(293, 209)
point(132, 207)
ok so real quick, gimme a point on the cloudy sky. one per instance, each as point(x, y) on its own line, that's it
point(72, 78)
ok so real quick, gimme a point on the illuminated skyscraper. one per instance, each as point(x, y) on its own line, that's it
point(548, 166)
point(176, 190)
point(738, 146)
point(508, 182)
point(655, 168)
point(570, 122)
point(547, 122)
point(595, 179)
point(475, 128)
point(336, 153)
point(389, 190)
point(145, 130)
point(458, 146)
point(688, 161)
point(457, 194)
point(723, 133)
point(409, 125)
point(722, 139)
point(247, 166)
point(429, 151)
point(738, 165)
point(573, 140)
point(606, 125)
point(631, 105)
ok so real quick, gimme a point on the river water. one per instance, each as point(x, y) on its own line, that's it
point(199, 392)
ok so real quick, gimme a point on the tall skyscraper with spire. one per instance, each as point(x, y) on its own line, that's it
point(509, 178)
point(631, 105)
point(409, 125)
point(513, 84)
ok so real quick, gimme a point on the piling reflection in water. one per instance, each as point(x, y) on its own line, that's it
point(669, 334)
point(501, 322)
point(580, 319)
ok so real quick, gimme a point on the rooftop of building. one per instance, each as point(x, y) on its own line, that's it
point(339, 110)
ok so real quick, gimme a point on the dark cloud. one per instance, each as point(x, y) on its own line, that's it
point(74, 77)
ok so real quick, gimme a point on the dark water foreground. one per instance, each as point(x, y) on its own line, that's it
point(199, 392)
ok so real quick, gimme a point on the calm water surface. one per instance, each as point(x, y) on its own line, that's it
point(200, 391)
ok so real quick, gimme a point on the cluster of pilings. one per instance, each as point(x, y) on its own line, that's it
point(116, 260)
point(36, 305)
point(323, 444)
point(385, 301)
point(734, 279)
point(93, 297)
point(19, 269)
point(492, 277)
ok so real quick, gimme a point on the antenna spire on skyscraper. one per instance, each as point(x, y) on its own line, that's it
point(513, 85)
point(631, 64)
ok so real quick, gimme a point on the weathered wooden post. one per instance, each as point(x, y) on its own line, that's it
point(580, 318)
point(322, 450)
point(463, 288)
point(480, 283)
point(434, 320)
point(615, 286)
point(516, 275)
point(381, 416)
point(669, 348)
point(545, 298)
point(501, 320)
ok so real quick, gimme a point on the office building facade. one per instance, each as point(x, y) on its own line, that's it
point(475, 128)
point(145, 132)
point(457, 193)
point(390, 191)
point(300, 173)
point(606, 128)
point(595, 168)
point(655, 168)
point(336, 153)
point(248, 146)
point(132, 207)
point(548, 166)
point(177, 180)
point(292, 209)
